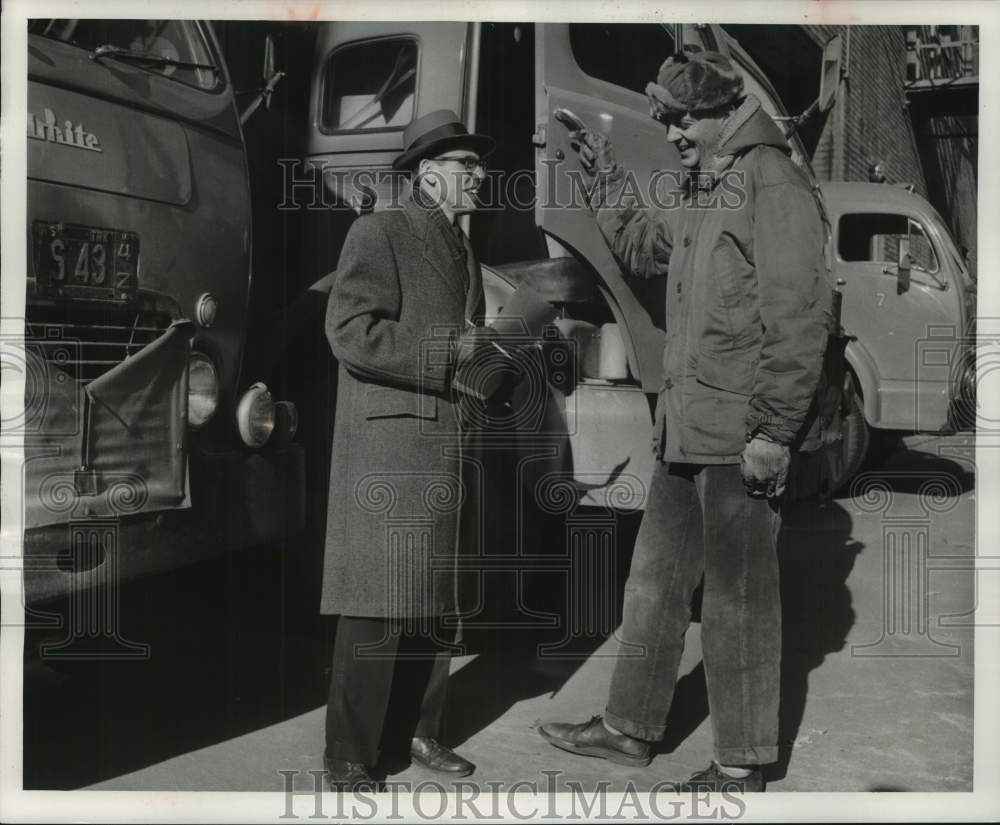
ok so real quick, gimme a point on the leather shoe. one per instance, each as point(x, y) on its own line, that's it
point(432, 754)
point(345, 776)
point(713, 780)
point(593, 739)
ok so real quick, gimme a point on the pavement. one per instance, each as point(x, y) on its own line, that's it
point(877, 683)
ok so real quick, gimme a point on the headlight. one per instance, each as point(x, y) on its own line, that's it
point(203, 389)
point(255, 416)
point(967, 383)
point(206, 308)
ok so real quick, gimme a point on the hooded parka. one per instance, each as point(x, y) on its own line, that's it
point(747, 298)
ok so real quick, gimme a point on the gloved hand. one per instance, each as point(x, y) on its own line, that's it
point(595, 150)
point(764, 465)
point(484, 369)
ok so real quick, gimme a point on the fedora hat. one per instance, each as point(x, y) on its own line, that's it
point(436, 132)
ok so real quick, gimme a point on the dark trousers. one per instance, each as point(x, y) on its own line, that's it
point(388, 685)
point(699, 522)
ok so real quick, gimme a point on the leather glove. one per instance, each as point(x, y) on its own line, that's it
point(764, 465)
point(595, 150)
point(483, 369)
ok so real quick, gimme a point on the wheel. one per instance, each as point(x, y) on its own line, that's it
point(856, 438)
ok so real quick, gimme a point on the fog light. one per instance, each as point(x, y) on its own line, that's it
point(255, 416)
point(203, 389)
point(205, 309)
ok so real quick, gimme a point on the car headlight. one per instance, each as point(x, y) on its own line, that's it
point(255, 416)
point(203, 389)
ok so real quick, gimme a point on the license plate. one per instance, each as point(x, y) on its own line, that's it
point(73, 261)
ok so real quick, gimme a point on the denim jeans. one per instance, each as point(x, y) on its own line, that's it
point(699, 521)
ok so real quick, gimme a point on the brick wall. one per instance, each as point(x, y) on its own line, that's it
point(949, 150)
point(869, 121)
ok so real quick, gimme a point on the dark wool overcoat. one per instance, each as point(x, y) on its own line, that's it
point(401, 295)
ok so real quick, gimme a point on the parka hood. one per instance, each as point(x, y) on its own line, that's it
point(751, 126)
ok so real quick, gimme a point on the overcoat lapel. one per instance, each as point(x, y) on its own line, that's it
point(437, 249)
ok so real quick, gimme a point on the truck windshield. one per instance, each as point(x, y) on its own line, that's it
point(172, 48)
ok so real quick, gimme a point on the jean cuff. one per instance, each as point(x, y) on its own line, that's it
point(650, 733)
point(762, 755)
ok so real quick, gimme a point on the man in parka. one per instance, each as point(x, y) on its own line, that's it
point(746, 325)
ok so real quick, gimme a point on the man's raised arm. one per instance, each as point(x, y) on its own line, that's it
point(639, 235)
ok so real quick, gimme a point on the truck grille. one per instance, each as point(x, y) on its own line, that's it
point(86, 342)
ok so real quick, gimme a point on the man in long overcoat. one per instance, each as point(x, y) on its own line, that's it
point(405, 296)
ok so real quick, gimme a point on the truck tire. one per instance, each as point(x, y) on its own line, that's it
point(856, 435)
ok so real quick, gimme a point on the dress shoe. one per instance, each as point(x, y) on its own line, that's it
point(345, 776)
point(593, 739)
point(432, 754)
point(713, 780)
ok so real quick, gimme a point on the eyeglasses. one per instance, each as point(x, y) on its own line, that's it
point(471, 162)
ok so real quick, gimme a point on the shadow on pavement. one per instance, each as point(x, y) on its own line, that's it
point(514, 664)
point(816, 554)
point(228, 655)
point(916, 471)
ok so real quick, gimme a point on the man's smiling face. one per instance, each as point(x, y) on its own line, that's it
point(457, 176)
point(695, 137)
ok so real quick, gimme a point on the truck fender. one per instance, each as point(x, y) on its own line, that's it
point(860, 360)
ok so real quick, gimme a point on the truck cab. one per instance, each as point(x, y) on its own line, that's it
point(146, 445)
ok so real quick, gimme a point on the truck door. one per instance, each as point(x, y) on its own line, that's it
point(599, 72)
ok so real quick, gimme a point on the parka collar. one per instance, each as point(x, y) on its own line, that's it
point(748, 126)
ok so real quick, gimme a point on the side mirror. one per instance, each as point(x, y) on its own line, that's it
point(829, 85)
point(829, 77)
point(270, 80)
point(268, 72)
point(904, 263)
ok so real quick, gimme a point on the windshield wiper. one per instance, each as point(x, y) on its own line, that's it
point(118, 53)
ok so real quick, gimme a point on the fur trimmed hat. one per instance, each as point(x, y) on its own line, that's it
point(694, 82)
